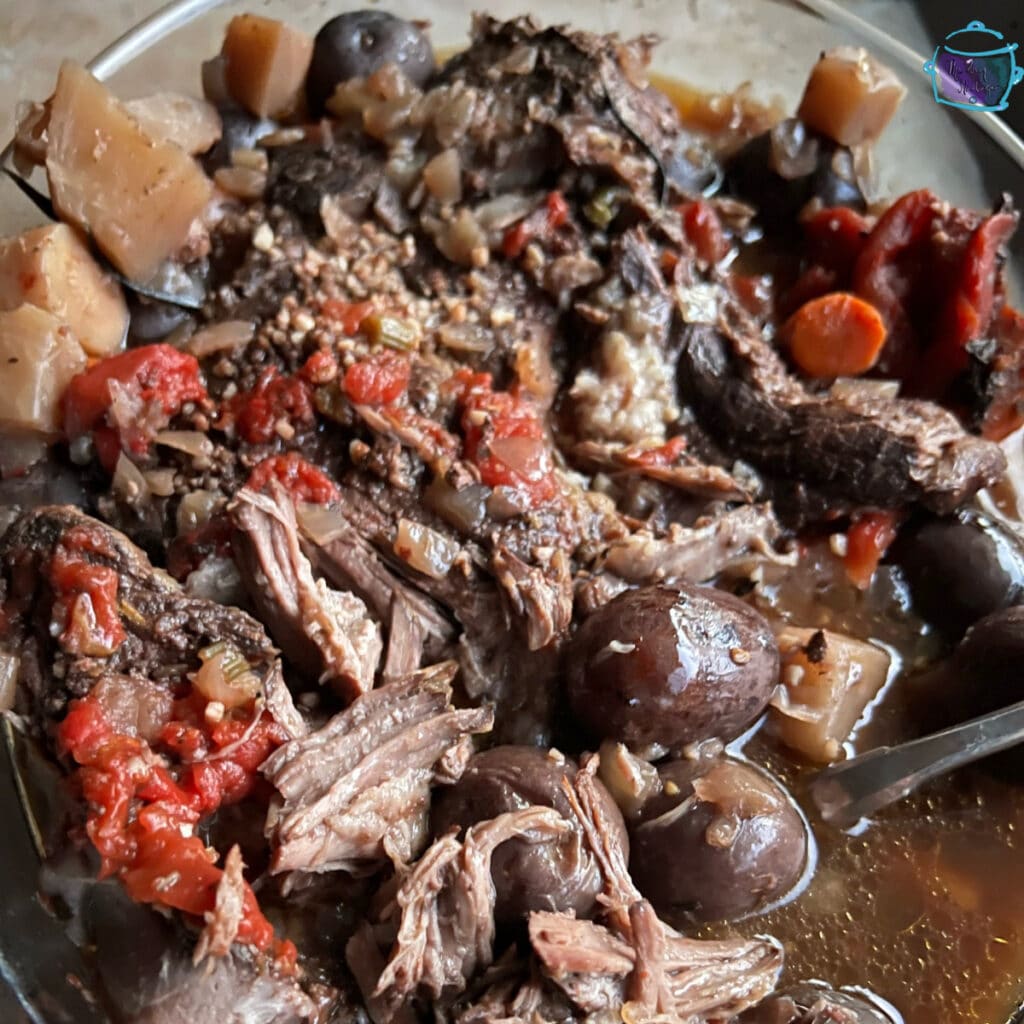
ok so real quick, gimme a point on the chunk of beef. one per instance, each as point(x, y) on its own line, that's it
point(694, 554)
point(634, 956)
point(678, 469)
point(445, 905)
point(542, 599)
point(689, 979)
point(222, 923)
point(158, 629)
point(592, 99)
point(325, 632)
point(340, 549)
point(357, 791)
point(339, 164)
point(857, 450)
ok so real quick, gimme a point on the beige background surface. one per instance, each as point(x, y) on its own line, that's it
point(36, 34)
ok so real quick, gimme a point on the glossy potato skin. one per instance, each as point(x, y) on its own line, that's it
point(357, 43)
point(690, 878)
point(671, 666)
point(961, 568)
point(527, 876)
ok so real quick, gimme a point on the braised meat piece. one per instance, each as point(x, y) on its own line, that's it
point(852, 451)
point(323, 631)
point(357, 791)
point(84, 603)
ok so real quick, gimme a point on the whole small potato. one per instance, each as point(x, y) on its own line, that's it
point(720, 842)
point(560, 876)
point(671, 665)
point(357, 43)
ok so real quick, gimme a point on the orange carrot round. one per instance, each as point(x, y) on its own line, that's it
point(837, 335)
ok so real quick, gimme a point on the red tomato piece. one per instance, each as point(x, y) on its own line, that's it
point(300, 478)
point(704, 230)
point(349, 314)
point(157, 376)
point(256, 413)
point(379, 379)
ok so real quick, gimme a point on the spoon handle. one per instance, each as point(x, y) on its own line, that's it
point(846, 792)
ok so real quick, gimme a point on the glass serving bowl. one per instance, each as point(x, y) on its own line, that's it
point(713, 45)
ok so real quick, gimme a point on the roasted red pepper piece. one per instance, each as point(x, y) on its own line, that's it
point(969, 310)
point(835, 237)
point(159, 377)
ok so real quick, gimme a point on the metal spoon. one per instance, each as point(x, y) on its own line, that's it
point(846, 792)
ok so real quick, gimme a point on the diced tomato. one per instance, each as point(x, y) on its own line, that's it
point(159, 377)
point(867, 540)
point(379, 379)
point(544, 221)
point(86, 596)
point(255, 414)
point(320, 368)
point(704, 230)
point(666, 454)
point(558, 210)
point(504, 437)
point(300, 478)
point(143, 813)
point(349, 314)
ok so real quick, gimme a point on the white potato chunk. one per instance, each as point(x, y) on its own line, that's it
point(52, 268)
point(827, 681)
point(136, 196)
point(39, 355)
point(850, 96)
point(188, 122)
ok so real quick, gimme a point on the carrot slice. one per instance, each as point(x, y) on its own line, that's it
point(837, 335)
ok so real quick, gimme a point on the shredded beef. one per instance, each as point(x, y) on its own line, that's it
point(323, 631)
point(356, 792)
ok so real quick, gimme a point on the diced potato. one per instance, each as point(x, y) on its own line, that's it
point(136, 196)
point(188, 122)
point(827, 681)
point(850, 97)
point(267, 63)
point(51, 268)
point(39, 355)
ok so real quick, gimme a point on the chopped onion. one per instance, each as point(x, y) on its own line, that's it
point(321, 523)
point(10, 665)
point(160, 482)
point(463, 508)
point(228, 334)
point(226, 676)
point(524, 455)
point(864, 390)
point(443, 176)
point(426, 550)
point(502, 212)
point(128, 483)
point(630, 780)
point(466, 337)
point(192, 442)
point(196, 509)
point(241, 182)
